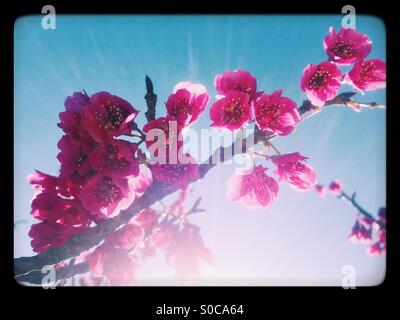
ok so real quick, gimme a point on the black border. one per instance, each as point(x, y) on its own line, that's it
point(255, 300)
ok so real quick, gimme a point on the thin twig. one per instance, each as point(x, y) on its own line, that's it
point(352, 201)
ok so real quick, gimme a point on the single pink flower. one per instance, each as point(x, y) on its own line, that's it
point(74, 157)
point(70, 184)
point(276, 114)
point(321, 82)
point(336, 187)
point(108, 116)
point(347, 46)
point(187, 102)
point(176, 174)
point(238, 81)
point(231, 112)
point(47, 235)
point(146, 219)
point(361, 231)
point(115, 158)
point(127, 237)
point(379, 247)
point(121, 268)
point(106, 196)
point(71, 119)
point(42, 181)
point(46, 205)
point(293, 169)
point(146, 249)
point(367, 75)
point(254, 188)
point(50, 207)
point(117, 265)
point(163, 134)
point(74, 214)
point(188, 253)
point(163, 235)
point(376, 249)
point(320, 189)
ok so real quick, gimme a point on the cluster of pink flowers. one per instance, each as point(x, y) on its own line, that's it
point(366, 227)
point(254, 188)
point(150, 232)
point(101, 175)
point(184, 106)
point(321, 82)
point(274, 114)
point(238, 99)
point(371, 231)
point(95, 172)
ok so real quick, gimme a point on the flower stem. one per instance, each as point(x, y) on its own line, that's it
point(274, 148)
point(352, 201)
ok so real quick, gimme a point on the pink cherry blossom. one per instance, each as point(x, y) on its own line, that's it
point(170, 139)
point(237, 80)
point(115, 158)
point(176, 174)
point(188, 253)
point(379, 247)
point(187, 102)
point(106, 196)
point(336, 187)
point(276, 114)
point(74, 158)
point(70, 184)
point(293, 169)
point(231, 112)
point(254, 188)
point(146, 219)
point(320, 189)
point(120, 267)
point(117, 265)
point(347, 46)
point(46, 205)
point(321, 82)
point(42, 181)
point(367, 75)
point(126, 237)
point(163, 235)
point(47, 235)
point(108, 116)
point(71, 119)
point(51, 207)
point(361, 231)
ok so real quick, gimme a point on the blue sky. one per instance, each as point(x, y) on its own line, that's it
point(300, 238)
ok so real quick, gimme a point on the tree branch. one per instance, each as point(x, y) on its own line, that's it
point(82, 242)
point(69, 271)
point(361, 210)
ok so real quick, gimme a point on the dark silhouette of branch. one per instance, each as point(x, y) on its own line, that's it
point(151, 100)
point(352, 201)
